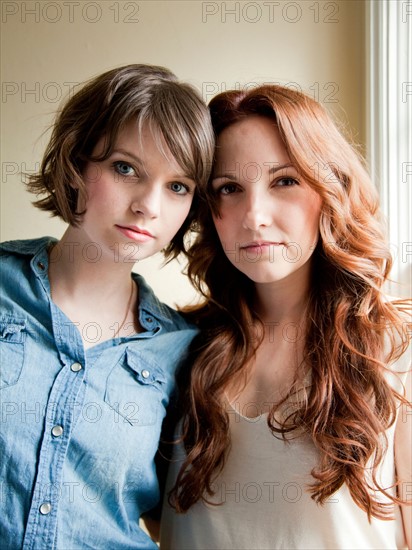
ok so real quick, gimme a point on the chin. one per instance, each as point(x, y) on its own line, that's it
point(270, 273)
point(265, 278)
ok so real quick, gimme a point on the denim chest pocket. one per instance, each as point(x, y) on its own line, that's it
point(12, 342)
point(135, 389)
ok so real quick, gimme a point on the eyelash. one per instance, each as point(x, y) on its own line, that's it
point(221, 190)
point(183, 186)
point(288, 178)
point(118, 163)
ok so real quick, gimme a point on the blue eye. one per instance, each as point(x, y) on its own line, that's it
point(179, 188)
point(123, 168)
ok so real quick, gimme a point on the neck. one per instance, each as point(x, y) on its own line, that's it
point(286, 300)
point(80, 267)
point(92, 289)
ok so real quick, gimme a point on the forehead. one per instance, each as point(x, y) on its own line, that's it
point(143, 136)
point(255, 138)
point(142, 140)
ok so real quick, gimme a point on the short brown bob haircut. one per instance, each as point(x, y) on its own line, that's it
point(145, 94)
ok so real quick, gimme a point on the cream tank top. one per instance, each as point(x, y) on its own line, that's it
point(265, 504)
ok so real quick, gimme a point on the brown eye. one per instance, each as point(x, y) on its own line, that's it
point(227, 189)
point(287, 182)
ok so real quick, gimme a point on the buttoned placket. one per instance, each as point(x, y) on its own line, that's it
point(61, 413)
point(64, 444)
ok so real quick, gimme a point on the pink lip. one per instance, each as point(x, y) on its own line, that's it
point(259, 244)
point(135, 233)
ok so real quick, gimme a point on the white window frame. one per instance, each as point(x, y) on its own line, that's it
point(389, 126)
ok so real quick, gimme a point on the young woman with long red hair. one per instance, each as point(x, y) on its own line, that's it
point(296, 428)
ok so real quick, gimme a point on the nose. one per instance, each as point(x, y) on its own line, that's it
point(256, 213)
point(148, 200)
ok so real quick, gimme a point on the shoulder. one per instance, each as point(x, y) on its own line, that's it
point(26, 247)
point(149, 303)
point(16, 257)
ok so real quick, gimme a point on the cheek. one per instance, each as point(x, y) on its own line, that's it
point(221, 226)
point(309, 213)
point(100, 201)
point(92, 173)
point(312, 224)
point(316, 209)
point(94, 187)
point(177, 214)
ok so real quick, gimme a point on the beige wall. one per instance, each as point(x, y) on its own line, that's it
point(48, 46)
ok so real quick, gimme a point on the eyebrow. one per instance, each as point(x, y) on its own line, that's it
point(141, 163)
point(128, 154)
point(275, 168)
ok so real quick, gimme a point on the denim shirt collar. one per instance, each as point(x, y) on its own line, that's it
point(152, 313)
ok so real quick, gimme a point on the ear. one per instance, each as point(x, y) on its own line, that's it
point(74, 185)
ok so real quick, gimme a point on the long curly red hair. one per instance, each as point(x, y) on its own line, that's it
point(350, 403)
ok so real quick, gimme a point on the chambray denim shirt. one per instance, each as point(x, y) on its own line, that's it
point(79, 428)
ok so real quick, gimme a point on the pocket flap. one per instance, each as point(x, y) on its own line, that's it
point(12, 338)
point(12, 330)
point(147, 371)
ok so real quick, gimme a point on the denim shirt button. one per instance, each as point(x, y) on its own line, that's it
point(41, 266)
point(57, 431)
point(76, 367)
point(149, 319)
point(145, 373)
point(45, 508)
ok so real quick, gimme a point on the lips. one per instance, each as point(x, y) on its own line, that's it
point(258, 245)
point(135, 233)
